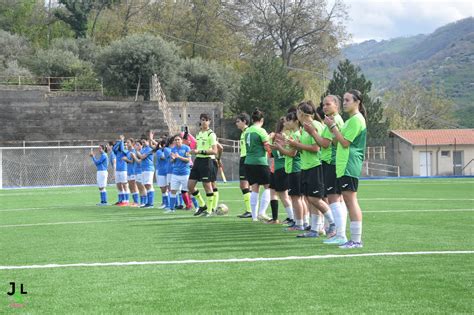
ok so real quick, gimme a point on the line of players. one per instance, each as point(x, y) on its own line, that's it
point(315, 168)
point(176, 173)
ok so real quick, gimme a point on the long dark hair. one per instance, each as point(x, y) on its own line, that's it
point(357, 96)
point(279, 125)
point(257, 115)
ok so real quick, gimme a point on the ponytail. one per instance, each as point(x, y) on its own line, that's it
point(357, 96)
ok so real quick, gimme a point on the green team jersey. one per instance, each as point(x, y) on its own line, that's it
point(254, 138)
point(204, 141)
point(328, 154)
point(278, 160)
point(310, 159)
point(349, 160)
point(293, 164)
point(243, 148)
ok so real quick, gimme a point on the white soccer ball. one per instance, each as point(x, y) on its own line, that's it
point(222, 209)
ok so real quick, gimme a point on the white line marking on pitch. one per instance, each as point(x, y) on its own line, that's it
point(99, 221)
point(171, 217)
point(231, 260)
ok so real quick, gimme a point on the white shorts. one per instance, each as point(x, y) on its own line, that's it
point(121, 177)
point(138, 178)
point(161, 180)
point(132, 177)
point(102, 178)
point(168, 179)
point(147, 177)
point(179, 182)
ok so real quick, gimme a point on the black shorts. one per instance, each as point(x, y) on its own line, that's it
point(345, 183)
point(279, 180)
point(312, 182)
point(257, 174)
point(294, 186)
point(242, 168)
point(204, 170)
point(330, 183)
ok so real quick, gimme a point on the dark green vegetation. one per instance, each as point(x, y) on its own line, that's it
point(63, 226)
point(443, 60)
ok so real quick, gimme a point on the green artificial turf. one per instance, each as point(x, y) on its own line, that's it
point(63, 226)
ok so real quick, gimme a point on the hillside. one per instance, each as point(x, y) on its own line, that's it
point(444, 58)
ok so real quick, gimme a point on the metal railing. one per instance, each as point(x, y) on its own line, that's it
point(379, 169)
point(158, 95)
point(69, 84)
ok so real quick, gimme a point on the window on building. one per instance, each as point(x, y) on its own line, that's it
point(445, 153)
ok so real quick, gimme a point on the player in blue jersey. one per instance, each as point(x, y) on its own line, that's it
point(161, 172)
point(148, 171)
point(138, 173)
point(112, 162)
point(102, 162)
point(131, 175)
point(121, 172)
point(180, 158)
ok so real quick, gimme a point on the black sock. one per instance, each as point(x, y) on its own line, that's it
point(274, 205)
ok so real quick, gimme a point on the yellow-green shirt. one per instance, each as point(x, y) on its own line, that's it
point(243, 148)
point(204, 141)
point(328, 154)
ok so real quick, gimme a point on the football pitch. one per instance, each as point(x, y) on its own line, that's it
point(74, 257)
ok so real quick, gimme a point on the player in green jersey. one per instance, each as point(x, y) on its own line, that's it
point(203, 168)
point(330, 107)
point(312, 180)
point(351, 141)
point(242, 122)
point(279, 179)
point(293, 168)
point(256, 165)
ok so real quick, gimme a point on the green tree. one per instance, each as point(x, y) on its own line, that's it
point(134, 59)
point(268, 86)
point(75, 13)
point(210, 81)
point(414, 107)
point(348, 77)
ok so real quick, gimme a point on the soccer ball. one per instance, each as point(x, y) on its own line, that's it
point(222, 209)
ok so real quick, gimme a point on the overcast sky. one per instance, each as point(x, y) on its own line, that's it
point(385, 19)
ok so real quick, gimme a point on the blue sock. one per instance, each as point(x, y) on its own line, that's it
point(150, 197)
point(172, 202)
point(135, 197)
point(179, 200)
point(103, 196)
point(120, 196)
point(195, 202)
point(127, 196)
point(142, 200)
point(164, 199)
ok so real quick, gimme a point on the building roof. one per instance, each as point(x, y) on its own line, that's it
point(436, 136)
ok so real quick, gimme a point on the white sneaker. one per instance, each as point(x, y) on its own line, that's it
point(162, 206)
point(170, 211)
point(264, 218)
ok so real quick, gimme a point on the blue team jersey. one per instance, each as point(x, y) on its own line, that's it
point(161, 164)
point(181, 167)
point(147, 161)
point(102, 163)
point(131, 166)
point(112, 158)
point(169, 165)
point(138, 167)
point(120, 152)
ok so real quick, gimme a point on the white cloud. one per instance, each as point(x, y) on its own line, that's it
point(385, 19)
